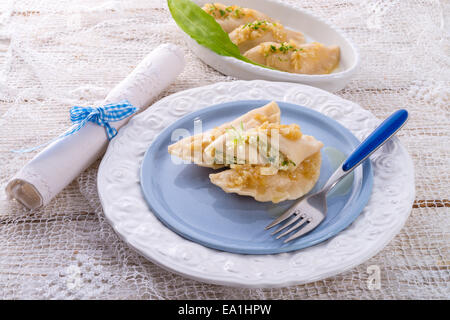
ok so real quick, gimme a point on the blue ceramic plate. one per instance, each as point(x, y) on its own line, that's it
point(184, 199)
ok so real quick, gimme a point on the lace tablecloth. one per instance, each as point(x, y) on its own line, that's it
point(55, 54)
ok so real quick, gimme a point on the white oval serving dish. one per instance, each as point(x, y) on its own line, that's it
point(313, 28)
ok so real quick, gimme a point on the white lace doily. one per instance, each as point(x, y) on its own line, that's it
point(55, 54)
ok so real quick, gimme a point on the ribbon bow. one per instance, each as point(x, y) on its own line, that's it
point(100, 115)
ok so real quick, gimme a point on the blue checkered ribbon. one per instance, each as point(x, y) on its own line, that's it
point(100, 115)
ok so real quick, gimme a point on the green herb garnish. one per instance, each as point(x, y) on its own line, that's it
point(256, 25)
point(287, 162)
point(202, 27)
point(285, 47)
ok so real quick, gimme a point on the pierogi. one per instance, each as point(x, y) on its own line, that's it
point(264, 159)
point(267, 42)
point(247, 180)
point(252, 34)
point(191, 149)
point(231, 17)
point(308, 58)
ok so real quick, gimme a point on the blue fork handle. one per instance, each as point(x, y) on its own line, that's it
point(376, 139)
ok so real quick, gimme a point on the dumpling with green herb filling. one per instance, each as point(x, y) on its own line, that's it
point(289, 169)
point(247, 180)
point(281, 146)
point(231, 17)
point(192, 148)
point(309, 58)
point(252, 34)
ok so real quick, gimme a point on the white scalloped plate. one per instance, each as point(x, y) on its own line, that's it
point(127, 211)
point(314, 29)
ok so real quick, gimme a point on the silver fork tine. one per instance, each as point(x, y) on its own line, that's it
point(311, 225)
point(281, 218)
point(287, 224)
point(296, 226)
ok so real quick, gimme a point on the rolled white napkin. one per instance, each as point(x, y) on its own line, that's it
point(63, 160)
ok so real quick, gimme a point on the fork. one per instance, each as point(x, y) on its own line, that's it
point(308, 212)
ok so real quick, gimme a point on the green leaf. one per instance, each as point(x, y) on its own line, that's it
point(202, 27)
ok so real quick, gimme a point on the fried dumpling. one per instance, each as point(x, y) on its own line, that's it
point(267, 160)
point(309, 58)
point(247, 180)
point(287, 166)
point(252, 34)
point(231, 17)
point(281, 146)
point(192, 148)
